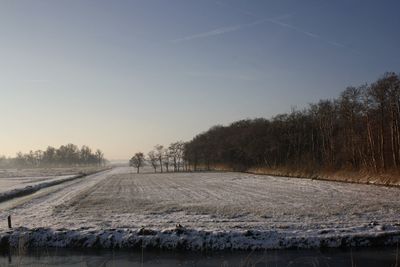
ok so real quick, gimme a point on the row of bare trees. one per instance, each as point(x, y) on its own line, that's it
point(358, 130)
point(164, 159)
point(65, 155)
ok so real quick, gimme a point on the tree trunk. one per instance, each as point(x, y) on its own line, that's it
point(371, 144)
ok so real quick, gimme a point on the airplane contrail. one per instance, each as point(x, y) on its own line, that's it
point(310, 34)
point(218, 31)
point(274, 20)
point(289, 26)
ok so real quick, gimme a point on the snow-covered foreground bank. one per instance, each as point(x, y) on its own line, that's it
point(203, 211)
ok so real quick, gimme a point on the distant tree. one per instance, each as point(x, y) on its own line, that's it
point(166, 159)
point(38, 154)
point(153, 159)
point(49, 156)
point(350, 108)
point(85, 155)
point(159, 152)
point(20, 160)
point(68, 154)
point(65, 155)
point(3, 162)
point(99, 155)
point(176, 153)
point(173, 153)
point(137, 161)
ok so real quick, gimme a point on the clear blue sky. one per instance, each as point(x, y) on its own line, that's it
point(124, 75)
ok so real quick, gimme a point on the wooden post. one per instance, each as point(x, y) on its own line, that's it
point(9, 221)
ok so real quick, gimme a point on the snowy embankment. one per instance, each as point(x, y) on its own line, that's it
point(30, 189)
point(45, 172)
point(187, 239)
point(198, 211)
point(17, 188)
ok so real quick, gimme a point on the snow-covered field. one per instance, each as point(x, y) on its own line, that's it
point(204, 211)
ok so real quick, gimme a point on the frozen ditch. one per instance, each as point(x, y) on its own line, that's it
point(205, 211)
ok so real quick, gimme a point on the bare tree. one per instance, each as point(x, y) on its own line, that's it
point(176, 153)
point(166, 159)
point(159, 152)
point(137, 161)
point(99, 157)
point(49, 156)
point(350, 109)
point(153, 159)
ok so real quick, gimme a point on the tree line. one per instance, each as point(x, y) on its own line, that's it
point(65, 155)
point(164, 159)
point(359, 130)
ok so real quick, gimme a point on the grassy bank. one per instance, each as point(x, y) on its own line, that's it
point(364, 177)
point(390, 178)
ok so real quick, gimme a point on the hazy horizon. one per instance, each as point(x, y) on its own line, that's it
point(123, 76)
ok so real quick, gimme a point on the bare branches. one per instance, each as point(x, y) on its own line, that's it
point(359, 130)
point(137, 161)
point(159, 153)
point(153, 159)
point(164, 157)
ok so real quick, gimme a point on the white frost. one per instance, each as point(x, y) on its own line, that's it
point(216, 210)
